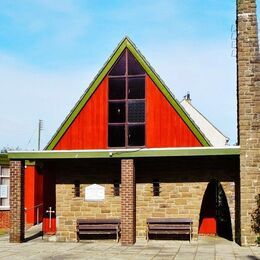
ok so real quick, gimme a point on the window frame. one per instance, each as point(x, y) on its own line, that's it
point(5, 207)
point(126, 100)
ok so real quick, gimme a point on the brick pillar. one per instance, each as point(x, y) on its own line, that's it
point(248, 91)
point(128, 202)
point(16, 202)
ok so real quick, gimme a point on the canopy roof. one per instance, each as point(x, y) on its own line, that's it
point(125, 153)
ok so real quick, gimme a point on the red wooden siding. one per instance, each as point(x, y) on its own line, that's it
point(164, 127)
point(33, 195)
point(89, 129)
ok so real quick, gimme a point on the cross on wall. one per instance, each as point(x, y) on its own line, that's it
point(50, 212)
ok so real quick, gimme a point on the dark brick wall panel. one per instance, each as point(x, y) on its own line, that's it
point(16, 202)
point(128, 202)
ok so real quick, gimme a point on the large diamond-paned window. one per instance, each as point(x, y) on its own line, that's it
point(126, 84)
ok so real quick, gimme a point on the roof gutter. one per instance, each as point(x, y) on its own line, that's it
point(124, 153)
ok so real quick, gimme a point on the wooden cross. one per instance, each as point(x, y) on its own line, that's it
point(50, 213)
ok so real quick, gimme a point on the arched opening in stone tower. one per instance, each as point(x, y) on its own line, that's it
point(214, 214)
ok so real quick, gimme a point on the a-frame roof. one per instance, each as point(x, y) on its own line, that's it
point(126, 43)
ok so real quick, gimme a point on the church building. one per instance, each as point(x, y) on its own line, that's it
point(129, 150)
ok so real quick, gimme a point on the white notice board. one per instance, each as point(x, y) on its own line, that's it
point(94, 192)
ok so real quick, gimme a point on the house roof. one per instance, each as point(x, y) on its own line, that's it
point(213, 134)
point(126, 43)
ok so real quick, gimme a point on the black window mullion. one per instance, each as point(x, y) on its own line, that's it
point(134, 127)
point(126, 102)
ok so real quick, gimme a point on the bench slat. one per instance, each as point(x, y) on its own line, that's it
point(169, 220)
point(170, 227)
point(98, 221)
point(98, 226)
point(97, 232)
point(169, 232)
point(182, 226)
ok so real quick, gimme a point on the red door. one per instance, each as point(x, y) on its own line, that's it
point(208, 212)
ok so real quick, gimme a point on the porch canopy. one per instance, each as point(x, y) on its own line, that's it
point(125, 153)
point(183, 172)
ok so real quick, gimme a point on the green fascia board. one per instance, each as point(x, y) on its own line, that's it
point(125, 43)
point(4, 160)
point(30, 163)
point(130, 153)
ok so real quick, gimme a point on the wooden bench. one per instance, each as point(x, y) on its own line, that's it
point(98, 226)
point(168, 226)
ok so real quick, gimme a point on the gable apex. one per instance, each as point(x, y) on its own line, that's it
point(125, 43)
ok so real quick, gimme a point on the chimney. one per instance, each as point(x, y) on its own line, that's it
point(187, 97)
point(248, 94)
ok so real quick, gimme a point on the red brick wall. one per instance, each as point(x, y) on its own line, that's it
point(4, 219)
point(128, 203)
point(16, 202)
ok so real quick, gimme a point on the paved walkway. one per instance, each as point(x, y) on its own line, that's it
point(204, 248)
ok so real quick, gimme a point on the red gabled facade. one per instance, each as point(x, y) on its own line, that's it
point(89, 129)
point(164, 126)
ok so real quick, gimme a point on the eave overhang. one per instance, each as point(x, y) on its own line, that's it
point(124, 153)
point(4, 159)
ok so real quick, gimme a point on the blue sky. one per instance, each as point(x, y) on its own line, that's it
point(51, 50)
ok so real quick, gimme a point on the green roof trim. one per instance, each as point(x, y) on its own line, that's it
point(30, 163)
point(125, 43)
point(125, 153)
point(4, 160)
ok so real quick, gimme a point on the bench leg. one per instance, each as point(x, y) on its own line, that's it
point(147, 235)
point(117, 237)
point(190, 232)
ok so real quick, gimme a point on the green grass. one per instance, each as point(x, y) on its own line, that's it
point(2, 232)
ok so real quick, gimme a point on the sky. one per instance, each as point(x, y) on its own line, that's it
point(50, 51)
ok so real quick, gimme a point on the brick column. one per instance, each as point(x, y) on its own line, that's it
point(248, 91)
point(128, 202)
point(16, 202)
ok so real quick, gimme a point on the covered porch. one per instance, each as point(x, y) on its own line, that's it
point(138, 184)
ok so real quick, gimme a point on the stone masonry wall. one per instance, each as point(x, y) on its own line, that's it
point(248, 90)
point(176, 200)
point(69, 207)
point(183, 183)
point(182, 187)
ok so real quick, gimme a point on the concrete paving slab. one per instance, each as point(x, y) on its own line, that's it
point(213, 248)
point(184, 256)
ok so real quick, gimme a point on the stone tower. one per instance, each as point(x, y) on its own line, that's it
point(248, 92)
